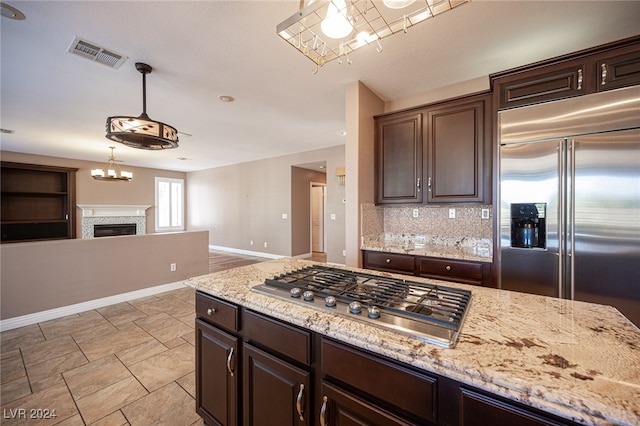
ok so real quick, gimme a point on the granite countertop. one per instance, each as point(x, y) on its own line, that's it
point(577, 360)
point(472, 249)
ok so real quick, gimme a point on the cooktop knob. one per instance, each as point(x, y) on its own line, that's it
point(373, 312)
point(295, 292)
point(330, 301)
point(307, 295)
point(355, 307)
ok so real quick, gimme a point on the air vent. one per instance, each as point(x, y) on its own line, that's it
point(96, 53)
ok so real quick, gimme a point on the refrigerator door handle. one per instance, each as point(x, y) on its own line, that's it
point(562, 181)
point(571, 200)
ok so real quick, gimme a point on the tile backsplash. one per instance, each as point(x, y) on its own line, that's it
point(433, 222)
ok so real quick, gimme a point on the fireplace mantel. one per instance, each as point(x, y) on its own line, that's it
point(100, 210)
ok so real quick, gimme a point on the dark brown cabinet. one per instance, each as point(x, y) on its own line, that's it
point(399, 159)
point(389, 262)
point(442, 150)
point(38, 202)
point(458, 154)
point(217, 378)
point(593, 70)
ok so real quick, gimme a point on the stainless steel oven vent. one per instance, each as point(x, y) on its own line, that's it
point(96, 53)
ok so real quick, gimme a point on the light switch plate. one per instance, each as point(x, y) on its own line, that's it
point(485, 214)
point(415, 212)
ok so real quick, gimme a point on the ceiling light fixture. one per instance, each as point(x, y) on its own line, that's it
point(142, 132)
point(324, 30)
point(113, 172)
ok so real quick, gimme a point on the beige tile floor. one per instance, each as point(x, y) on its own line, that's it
point(131, 363)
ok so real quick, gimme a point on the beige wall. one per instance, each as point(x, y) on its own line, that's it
point(44, 275)
point(301, 180)
point(140, 191)
point(244, 202)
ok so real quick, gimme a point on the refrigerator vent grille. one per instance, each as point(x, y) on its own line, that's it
point(96, 53)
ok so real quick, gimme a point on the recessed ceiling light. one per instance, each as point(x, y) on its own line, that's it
point(226, 98)
point(11, 12)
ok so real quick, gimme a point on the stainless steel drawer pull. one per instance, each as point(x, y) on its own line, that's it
point(388, 260)
point(418, 184)
point(211, 311)
point(323, 412)
point(448, 268)
point(299, 406)
point(580, 79)
point(229, 359)
point(603, 74)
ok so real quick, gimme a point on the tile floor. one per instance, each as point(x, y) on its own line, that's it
point(131, 363)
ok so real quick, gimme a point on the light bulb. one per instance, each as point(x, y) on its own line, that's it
point(397, 4)
point(336, 24)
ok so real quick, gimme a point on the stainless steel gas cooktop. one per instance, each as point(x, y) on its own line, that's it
point(429, 312)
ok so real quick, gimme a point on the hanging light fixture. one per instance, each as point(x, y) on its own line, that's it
point(111, 171)
point(324, 30)
point(142, 132)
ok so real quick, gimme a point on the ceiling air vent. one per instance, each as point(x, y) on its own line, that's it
point(96, 53)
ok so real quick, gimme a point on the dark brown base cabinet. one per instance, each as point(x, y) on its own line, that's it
point(253, 370)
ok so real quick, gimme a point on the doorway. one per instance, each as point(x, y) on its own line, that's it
point(318, 202)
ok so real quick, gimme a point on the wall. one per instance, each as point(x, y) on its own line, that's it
point(44, 275)
point(301, 180)
point(244, 202)
point(141, 189)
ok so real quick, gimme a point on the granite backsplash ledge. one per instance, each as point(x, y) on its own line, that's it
point(396, 229)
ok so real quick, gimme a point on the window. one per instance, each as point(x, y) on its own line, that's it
point(169, 204)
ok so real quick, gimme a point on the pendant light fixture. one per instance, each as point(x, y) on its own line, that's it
point(111, 171)
point(142, 132)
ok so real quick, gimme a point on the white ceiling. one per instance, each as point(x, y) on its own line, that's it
point(57, 103)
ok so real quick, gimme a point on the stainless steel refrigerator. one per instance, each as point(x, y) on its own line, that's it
point(569, 193)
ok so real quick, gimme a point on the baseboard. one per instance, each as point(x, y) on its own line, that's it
point(246, 252)
point(24, 320)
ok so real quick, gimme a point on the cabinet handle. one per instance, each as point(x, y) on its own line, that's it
point(580, 79)
point(429, 184)
point(448, 268)
point(229, 359)
point(603, 74)
point(211, 311)
point(323, 411)
point(299, 402)
point(418, 185)
point(388, 260)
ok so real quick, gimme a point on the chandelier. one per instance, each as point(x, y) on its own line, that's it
point(113, 172)
point(324, 30)
point(142, 132)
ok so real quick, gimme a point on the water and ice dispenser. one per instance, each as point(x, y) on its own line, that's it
point(528, 229)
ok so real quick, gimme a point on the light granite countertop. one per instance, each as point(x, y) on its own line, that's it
point(577, 360)
point(418, 245)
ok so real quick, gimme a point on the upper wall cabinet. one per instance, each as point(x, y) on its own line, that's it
point(398, 154)
point(458, 154)
point(38, 202)
point(438, 153)
point(602, 68)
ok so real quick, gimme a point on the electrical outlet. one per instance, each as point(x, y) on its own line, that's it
point(265, 244)
point(173, 267)
point(415, 212)
point(344, 252)
point(251, 242)
point(452, 213)
point(285, 215)
point(333, 216)
point(485, 214)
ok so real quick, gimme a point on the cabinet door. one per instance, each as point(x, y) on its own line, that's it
point(620, 68)
point(458, 153)
point(340, 408)
point(399, 159)
point(216, 375)
point(275, 392)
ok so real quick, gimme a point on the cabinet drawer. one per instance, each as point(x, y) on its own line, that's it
point(216, 311)
point(407, 390)
point(277, 336)
point(402, 263)
point(455, 270)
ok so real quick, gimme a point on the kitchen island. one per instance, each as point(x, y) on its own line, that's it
point(574, 360)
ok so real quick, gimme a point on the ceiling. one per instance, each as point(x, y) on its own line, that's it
point(56, 103)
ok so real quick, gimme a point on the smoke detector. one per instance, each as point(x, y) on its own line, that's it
point(96, 53)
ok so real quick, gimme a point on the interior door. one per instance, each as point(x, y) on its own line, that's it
point(317, 218)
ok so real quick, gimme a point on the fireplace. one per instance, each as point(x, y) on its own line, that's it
point(113, 230)
point(110, 220)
